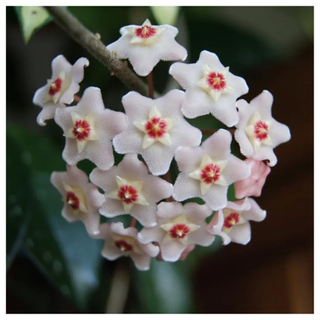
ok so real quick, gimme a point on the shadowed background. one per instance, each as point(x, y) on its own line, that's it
point(52, 266)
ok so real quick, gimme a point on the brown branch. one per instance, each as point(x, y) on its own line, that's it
point(92, 43)
point(150, 85)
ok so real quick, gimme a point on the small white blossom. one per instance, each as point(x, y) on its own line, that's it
point(210, 88)
point(257, 132)
point(89, 128)
point(156, 129)
point(81, 198)
point(61, 88)
point(145, 45)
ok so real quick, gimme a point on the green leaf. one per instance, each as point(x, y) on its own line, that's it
point(17, 199)
point(64, 251)
point(32, 19)
point(166, 15)
point(39, 153)
point(165, 288)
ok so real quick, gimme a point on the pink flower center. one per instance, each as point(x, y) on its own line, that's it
point(81, 130)
point(156, 127)
point(261, 130)
point(55, 86)
point(73, 200)
point(145, 32)
point(128, 194)
point(231, 220)
point(216, 81)
point(179, 231)
point(210, 173)
point(123, 245)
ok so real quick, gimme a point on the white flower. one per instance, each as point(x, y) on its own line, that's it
point(178, 228)
point(130, 189)
point(61, 88)
point(257, 132)
point(208, 170)
point(210, 88)
point(123, 242)
point(145, 45)
point(156, 129)
point(89, 128)
point(232, 223)
point(81, 198)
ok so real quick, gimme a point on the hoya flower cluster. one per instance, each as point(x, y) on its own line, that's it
point(167, 220)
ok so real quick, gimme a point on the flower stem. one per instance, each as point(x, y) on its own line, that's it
point(92, 43)
point(133, 222)
point(119, 288)
point(76, 98)
point(150, 85)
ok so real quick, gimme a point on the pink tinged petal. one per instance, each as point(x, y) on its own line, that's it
point(185, 74)
point(266, 153)
point(188, 158)
point(114, 122)
point(147, 235)
point(156, 189)
point(201, 237)
point(186, 251)
point(111, 252)
point(263, 102)
point(279, 133)
point(146, 215)
point(150, 249)
point(240, 233)
point(141, 261)
point(185, 188)
point(246, 147)
point(218, 145)
point(197, 103)
point(216, 197)
point(118, 228)
point(172, 250)
point(60, 63)
point(255, 213)
point(112, 208)
point(47, 113)
point(68, 96)
point(91, 102)
point(129, 141)
point(241, 205)
point(235, 170)
point(158, 158)
point(169, 210)
point(253, 185)
point(78, 69)
point(196, 213)
point(216, 223)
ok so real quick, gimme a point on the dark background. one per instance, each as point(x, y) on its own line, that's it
point(53, 267)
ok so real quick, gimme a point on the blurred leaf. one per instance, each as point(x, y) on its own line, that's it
point(166, 15)
point(17, 199)
point(39, 153)
point(165, 288)
point(65, 247)
point(32, 19)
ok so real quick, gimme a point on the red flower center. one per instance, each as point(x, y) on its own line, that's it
point(145, 32)
point(73, 200)
point(128, 194)
point(179, 231)
point(216, 81)
point(123, 245)
point(210, 173)
point(55, 86)
point(231, 220)
point(156, 127)
point(81, 129)
point(261, 130)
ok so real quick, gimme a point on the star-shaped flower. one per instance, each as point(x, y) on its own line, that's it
point(81, 198)
point(120, 241)
point(208, 170)
point(178, 228)
point(145, 45)
point(156, 129)
point(61, 88)
point(89, 128)
point(210, 88)
point(257, 132)
point(253, 185)
point(232, 223)
point(130, 189)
